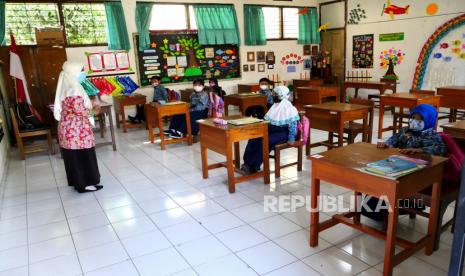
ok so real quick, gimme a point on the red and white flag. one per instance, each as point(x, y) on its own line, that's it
point(16, 71)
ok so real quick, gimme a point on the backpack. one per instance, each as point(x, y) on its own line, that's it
point(303, 128)
point(173, 96)
point(28, 118)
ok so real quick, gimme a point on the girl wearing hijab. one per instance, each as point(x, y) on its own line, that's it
point(199, 106)
point(73, 110)
point(283, 118)
point(420, 136)
point(213, 82)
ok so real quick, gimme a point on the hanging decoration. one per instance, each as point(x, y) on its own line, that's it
point(428, 48)
point(362, 51)
point(432, 9)
point(389, 59)
point(392, 10)
point(324, 27)
point(356, 15)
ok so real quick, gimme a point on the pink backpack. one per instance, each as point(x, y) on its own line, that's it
point(303, 128)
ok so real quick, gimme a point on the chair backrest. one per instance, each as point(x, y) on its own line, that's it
point(14, 121)
point(306, 97)
point(216, 108)
point(303, 129)
point(423, 92)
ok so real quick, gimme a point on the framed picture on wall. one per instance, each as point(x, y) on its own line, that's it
point(261, 56)
point(315, 50)
point(307, 50)
point(252, 67)
point(245, 68)
point(251, 56)
point(270, 58)
point(261, 67)
point(270, 66)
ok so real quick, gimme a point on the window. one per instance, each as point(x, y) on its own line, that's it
point(173, 17)
point(281, 22)
point(85, 24)
point(23, 18)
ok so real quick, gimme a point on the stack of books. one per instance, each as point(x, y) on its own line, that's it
point(244, 121)
point(395, 166)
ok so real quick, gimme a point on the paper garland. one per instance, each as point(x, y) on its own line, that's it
point(427, 49)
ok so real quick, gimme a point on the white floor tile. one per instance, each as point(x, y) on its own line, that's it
point(228, 265)
point(275, 227)
point(102, 256)
point(145, 243)
point(366, 248)
point(121, 269)
point(251, 213)
point(51, 249)
point(220, 222)
point(334, 261)
point(203, 208)
point(88, 222)
point(185, 232)
point(13, 258)
point(133, 227)
point(297, 244)
point(170, 217)
point(266, 257)
point(46, 217)
point(188, 197)
point(241, 238)
point(294, 269)
point(13, 239)
point(67, 265)
point(415, 266)
point(124, 213)
point(14, 224)
point(232, 201)
point(48, 231)
point(21, 271)
point(158, 205)
point(202, 250)
point(94, 237)
point(163, 262)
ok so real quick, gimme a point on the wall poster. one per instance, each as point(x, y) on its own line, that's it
point(362, 53)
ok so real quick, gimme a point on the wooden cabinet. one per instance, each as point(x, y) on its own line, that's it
point(42, 66)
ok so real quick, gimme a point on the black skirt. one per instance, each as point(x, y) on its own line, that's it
point(81, 167)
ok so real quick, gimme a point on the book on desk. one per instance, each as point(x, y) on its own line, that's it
point(244, 121)
point(395, 166)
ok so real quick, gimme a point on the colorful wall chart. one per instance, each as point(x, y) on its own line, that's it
point(178, 57)
point(362, 52)
point(108, 61)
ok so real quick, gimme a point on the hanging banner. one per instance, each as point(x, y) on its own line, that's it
point(391, 37)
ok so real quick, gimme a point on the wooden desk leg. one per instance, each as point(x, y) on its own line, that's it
point(343, 94)
point(226, 109)
point(365, 129)
point(189, 129)
point(357, 204)
point(237, 155)
point(112, 131)
point(162, 134)
point(307, 146)
point(203, 152)
point(266, 155)
point(433, 223)
point(242, 109)
point(340, 140)
point(117, 119)
point(391, 237)
point(314, 212)
point(356, 93)
point(380, 122)
point(151, 134)
point(230, 167)
point(123, 120)
point(101, 122)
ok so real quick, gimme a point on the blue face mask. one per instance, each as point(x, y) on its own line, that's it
point(416, 125)
point(81, 77)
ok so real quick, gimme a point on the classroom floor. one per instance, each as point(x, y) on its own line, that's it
point(157, 216)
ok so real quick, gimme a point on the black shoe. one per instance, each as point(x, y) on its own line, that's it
point(176, 135)
point(247, 169)
point(97, 187)
point(167, 132)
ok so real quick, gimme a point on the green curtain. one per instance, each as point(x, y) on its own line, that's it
point(308, 27)
point(2, 22)
point(254, 25)
point(217, 24)
point(143, 16)
point(118, 38)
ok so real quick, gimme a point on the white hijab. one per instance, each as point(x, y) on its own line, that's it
point(282, 113)
point(69, 86)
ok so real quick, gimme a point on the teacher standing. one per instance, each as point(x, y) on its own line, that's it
point(73, 110)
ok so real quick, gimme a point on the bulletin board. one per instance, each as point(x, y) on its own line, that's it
point(362, 53)
point(178, 57)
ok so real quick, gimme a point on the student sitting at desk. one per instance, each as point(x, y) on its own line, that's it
point(160, 94)
point(213, 82)
point(419, 137)
point(283, 118)
point(199, 104)
point(257, 111)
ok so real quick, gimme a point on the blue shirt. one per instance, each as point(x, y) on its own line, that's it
point(160, 93)
point(199, 101)
point(269, 94)
point(427, 140)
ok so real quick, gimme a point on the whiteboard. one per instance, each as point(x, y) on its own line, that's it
point(333, 13)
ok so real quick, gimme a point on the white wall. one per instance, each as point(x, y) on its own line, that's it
point(416, 25)
point(279, 47)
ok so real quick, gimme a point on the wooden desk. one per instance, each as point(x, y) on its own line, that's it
point(119, 102)
point(248, 87)
point(315, 95)
point(220, 139)
point(154, 113)
point(403, 100)
point(244, 101)
point(331, 117)
point(105, 109)
point(346, 162)
point(381, 86)
point(456, 129)
point(453, 97)
point(307, 82)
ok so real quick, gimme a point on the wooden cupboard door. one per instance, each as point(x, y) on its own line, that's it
point(49, 63)
point(333, 41)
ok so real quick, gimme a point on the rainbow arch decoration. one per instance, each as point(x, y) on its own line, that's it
point(432, 41)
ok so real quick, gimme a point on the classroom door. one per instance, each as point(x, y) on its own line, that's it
point(333, 42)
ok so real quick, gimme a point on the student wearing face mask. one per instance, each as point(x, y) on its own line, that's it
point(199, 105)
point(214, 86)
point(283, 118)
point(420, 136)
point(257, 111)
point(160, 94)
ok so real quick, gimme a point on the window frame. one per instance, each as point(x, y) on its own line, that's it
point(61, 17)
point(281, 21)
point(186, 11)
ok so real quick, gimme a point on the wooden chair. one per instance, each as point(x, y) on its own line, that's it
point(304, 99)
point(277, 155)
point(400, 118)
point(36, 147)
point(352, 129)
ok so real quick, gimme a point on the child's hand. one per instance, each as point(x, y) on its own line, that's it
point(381, 145)
point(410, 151)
